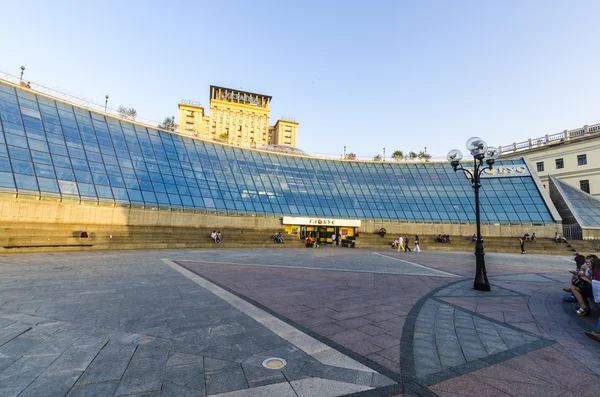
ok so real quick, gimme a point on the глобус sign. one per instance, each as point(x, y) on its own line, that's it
point(292, 220)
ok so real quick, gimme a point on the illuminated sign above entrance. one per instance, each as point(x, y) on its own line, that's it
point(292, 220)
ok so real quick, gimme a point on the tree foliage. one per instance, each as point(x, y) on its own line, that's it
point(127, 113)
point(424, 156)
point(377, 158)
point(412, 155)
point(398, 155)
point(168, 124)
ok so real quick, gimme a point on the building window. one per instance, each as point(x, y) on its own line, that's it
point(582, 159)
point(560, 163)
point(540, 166)
point(585, 186)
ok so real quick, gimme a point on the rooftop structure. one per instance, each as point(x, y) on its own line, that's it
point(237, 117)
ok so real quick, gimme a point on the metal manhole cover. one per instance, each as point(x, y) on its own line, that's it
point(274, 363)
point(143, 340)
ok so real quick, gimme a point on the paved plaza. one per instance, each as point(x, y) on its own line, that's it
point(337, 322)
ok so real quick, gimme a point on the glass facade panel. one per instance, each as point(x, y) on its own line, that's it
point(55, 149)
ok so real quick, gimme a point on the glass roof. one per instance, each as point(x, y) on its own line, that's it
point(50, 148)
point(583, 206)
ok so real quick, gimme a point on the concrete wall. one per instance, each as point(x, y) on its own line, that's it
point(29, 210)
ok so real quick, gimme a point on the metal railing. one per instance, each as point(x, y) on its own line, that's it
point(100, 108)
point(566, 135)
point(572, 232)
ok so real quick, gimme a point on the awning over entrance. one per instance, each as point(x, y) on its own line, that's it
point(292, 220)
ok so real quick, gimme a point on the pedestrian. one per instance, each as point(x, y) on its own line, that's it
point(213, 235)
point(417, 248)
point(339, 240)
point(400, 244)
point(218, 239)
point(406, 244)
point(333, 239)
point(522, 242)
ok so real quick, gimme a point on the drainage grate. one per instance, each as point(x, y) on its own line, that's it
point(274, 363)
point(143, 340)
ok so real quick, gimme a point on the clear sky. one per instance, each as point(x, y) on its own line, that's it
point(368, 75)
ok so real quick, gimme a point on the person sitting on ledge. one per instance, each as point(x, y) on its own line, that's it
point(474, 237)
point(213, 235)
point(309, 242)
point(526, 237)
point(533, 238)
point(558, 238)
point(84, 235)
point(218, 239)
point(279, 238)
point(439, 238)
point(582, 287)
point(447, 238)
point(382, 232)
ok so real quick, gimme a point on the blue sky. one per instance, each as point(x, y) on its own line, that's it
point(365, 75)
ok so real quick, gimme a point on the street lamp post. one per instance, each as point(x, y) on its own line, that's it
point(483, 158)
point(383, 154)
point(105, 103)
point(22, 70)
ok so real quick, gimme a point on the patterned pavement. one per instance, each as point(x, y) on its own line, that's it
point(348, 322)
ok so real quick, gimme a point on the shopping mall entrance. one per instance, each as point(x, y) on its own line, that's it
point(323, 230)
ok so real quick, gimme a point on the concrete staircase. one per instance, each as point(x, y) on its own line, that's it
point(66, 237)
point(492, 244)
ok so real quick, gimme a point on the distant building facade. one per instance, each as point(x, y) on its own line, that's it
point(238, 118)
point(572, 156)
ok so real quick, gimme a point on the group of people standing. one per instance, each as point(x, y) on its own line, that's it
point(403, 244)
point(336, 239)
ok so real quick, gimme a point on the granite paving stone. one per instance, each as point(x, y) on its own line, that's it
point(451, 331)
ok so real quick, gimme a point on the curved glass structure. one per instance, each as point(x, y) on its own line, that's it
point(54, 149)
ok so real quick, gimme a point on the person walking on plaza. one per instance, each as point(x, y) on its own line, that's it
point(522, 242)
point(333, 239)
point(400, 244)
point(407, 245)
point(339, 240)
point(417, 248)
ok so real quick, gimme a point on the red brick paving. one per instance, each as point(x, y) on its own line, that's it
point(363, 312)
point(545, 372)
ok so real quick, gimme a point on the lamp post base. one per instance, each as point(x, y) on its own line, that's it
point(482, 286)
point(481, 282)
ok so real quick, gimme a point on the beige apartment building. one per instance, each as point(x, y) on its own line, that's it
point(238, 118)
point(572, 156)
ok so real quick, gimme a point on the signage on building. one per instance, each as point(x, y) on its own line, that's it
point(503, 172)
point(191, 103)
point(242, 97)
point(292, 220)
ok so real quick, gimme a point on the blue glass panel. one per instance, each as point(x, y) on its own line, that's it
point(86, 189)
point(5, 165)
point(7, 180)
point(149, 197)
point(19, 153)
point(22, 167)
point(44, 170)
point(48, 185)
point(16, 140)
point(26, 182)
point(41, 157)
